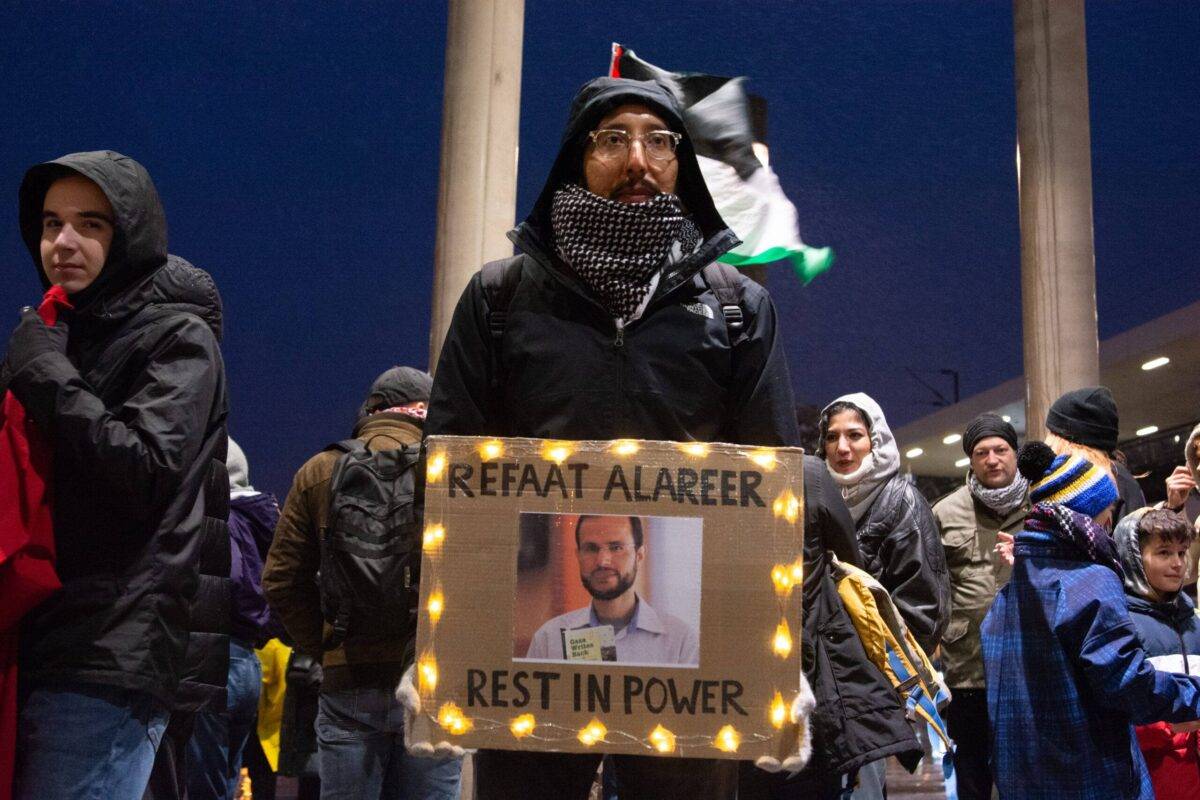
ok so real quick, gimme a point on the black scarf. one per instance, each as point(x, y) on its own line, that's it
point(617, 247)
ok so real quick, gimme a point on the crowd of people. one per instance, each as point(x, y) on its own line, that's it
point(196, 631)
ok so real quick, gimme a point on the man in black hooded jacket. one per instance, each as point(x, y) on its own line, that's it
point(611, 330)
point(129, 391)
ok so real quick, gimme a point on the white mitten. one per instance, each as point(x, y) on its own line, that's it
point(410, 698)
point(801, 708)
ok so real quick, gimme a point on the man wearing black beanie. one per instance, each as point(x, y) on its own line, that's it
point(1085, 421)
point(971, 520)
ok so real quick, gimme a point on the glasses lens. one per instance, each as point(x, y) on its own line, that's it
point(660, 145)
point(611, 143)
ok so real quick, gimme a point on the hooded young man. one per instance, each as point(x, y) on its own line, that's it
point(129, 391)
point(611, 330)
point(994, 500)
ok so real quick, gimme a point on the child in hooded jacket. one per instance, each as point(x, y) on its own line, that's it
point(1066, 675)
point(1153, 546)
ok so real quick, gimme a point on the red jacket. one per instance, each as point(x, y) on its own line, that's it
point(26, 542)
point(1173, 760)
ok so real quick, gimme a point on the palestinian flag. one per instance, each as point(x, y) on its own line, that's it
point(716, 111)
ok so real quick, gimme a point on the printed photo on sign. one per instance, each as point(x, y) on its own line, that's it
point(604, 587)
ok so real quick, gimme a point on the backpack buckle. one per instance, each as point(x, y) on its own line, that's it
point(733, 317)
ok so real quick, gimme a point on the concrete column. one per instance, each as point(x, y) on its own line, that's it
point(477, 188)
point(1054, 180)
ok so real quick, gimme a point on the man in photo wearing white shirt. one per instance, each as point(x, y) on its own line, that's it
point(610, 550)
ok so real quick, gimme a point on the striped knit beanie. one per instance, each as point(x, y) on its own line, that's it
point(1069, 480)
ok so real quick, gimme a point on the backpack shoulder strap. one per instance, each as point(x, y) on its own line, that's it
point(724, 282)
point(347, 446)
point(499, 279)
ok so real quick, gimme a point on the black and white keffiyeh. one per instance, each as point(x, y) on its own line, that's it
point(617, 247)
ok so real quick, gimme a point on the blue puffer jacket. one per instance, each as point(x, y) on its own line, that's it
point(1066, 676)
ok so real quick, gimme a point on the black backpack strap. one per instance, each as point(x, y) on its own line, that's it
point(347, 446)
point(499, 279)
point(724, 282)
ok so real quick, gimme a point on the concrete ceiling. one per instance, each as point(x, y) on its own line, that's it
point(1164, 397)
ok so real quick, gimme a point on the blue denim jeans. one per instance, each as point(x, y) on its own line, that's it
point(214, 754)
point(87, 742)
point(360, 739)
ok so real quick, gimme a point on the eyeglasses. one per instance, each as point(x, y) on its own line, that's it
point(615, 549)
point(611, 143)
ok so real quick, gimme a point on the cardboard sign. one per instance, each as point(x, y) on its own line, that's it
point(627, 597)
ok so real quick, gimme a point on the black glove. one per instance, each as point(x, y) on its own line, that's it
point(33, 338)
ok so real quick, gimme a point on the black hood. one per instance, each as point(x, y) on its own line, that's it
point(139, 245)
point(596, 99)
point(177, 286)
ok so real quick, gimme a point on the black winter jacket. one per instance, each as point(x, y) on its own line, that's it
point(902, 549)
point(135, 414)
point(567, 372)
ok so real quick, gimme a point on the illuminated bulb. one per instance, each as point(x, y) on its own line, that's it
point(593, 732)
point(764, 458)
point(695, 449)
point(436, 604)
point(523, 725)
point(625, 447)
point(662, 739)
point(781, 576)
point(963, 462)
point(952, 438)
point(434, 536)
point(798, 571)
point(428, 673)
point(787, 505)
point(779, 711)
point(556, 452)
point(451, 718)
point(492, 450)
point(782, 641)
point(435, 467)
point(728, 739)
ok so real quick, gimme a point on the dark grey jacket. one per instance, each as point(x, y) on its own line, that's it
point(901, 548)
point(135, 414)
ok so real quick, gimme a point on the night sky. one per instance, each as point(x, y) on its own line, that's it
point(296, 150)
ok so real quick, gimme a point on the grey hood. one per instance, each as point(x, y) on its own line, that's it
point(1130, 553)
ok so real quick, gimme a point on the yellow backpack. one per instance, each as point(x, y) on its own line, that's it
point(892, 648)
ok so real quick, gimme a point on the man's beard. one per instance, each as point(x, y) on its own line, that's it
point(623, 584)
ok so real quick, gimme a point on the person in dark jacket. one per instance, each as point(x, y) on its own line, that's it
point(214, 753)
point(1066, 676)
point(129, 389)
point(359, 723)
point(1153, 546)
point(897, 533)
point(1085, 422)
point(611, 330)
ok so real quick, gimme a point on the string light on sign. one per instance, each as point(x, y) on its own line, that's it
point(765, 459)
point(436, 604)
point(781, 642)
point(778, 711)
point(695, 449)
point(781, 576)
point(433, 538)
point(451, 718)
point(522, 726)
point(593, 732)
point(427, 673)
point(728, 739)
point(787, 505)
point(797, 569)
point(625, 447)
point(662, 740)
point(558, 452)
point(436, 467)
point(491, 450)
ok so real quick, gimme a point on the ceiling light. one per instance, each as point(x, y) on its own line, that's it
point(1155, 363)
point(916, 451)
point(1146, 431)
point(962, 462)
point(952, 438)
point(1006, 418)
